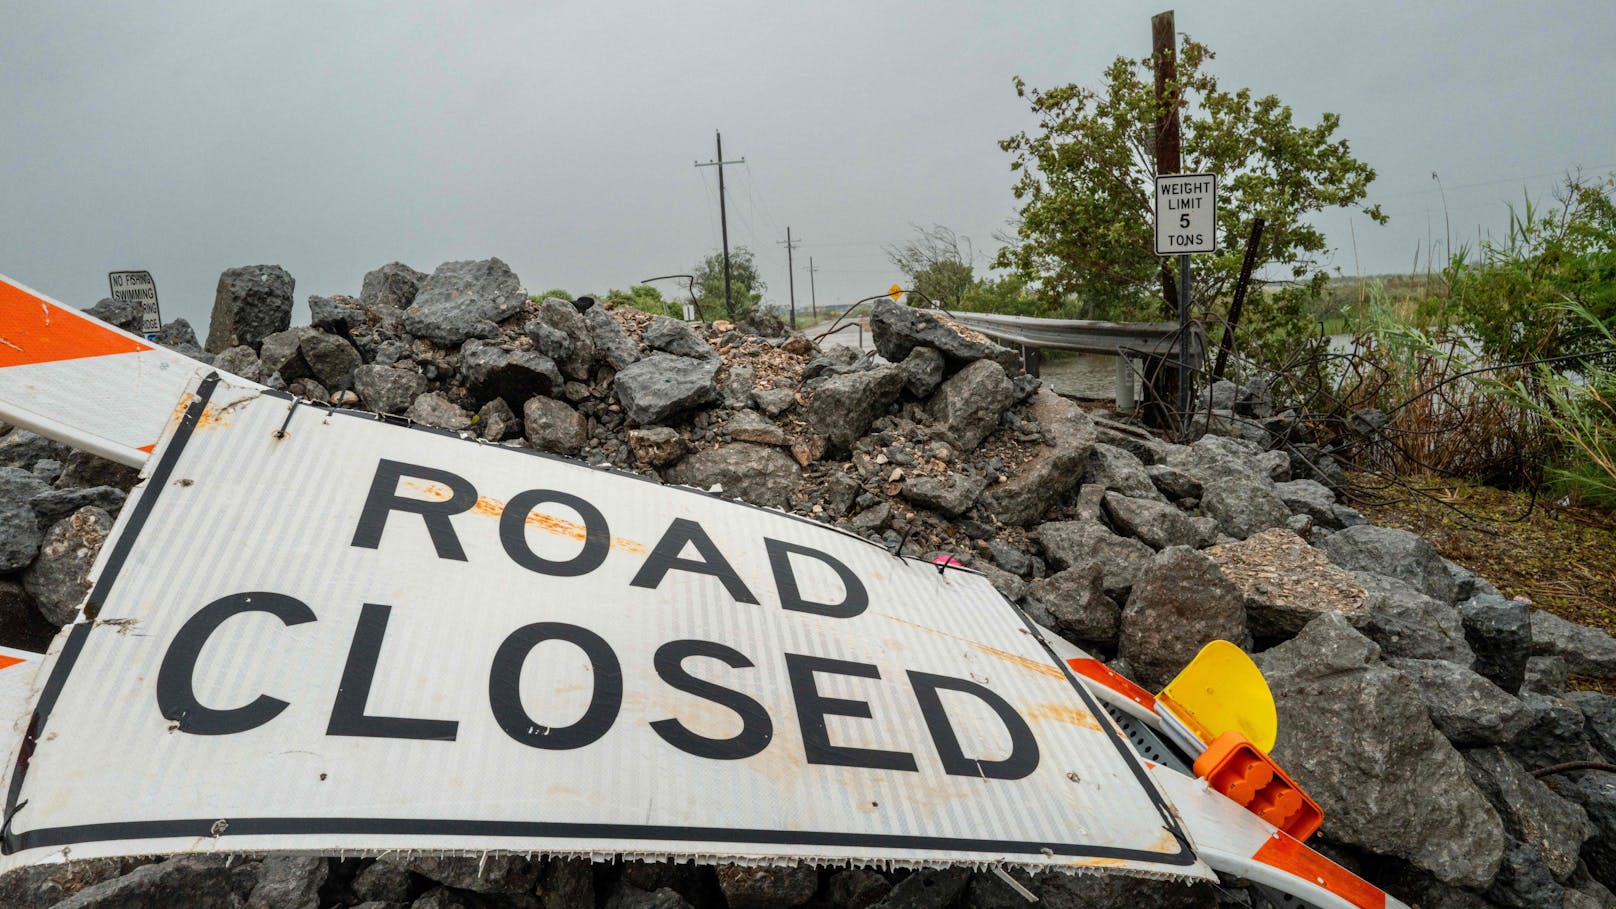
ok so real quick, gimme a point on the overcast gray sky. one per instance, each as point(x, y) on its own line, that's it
point(185, 138)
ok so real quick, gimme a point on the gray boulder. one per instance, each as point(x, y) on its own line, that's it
point(1173, 482)
point(43, 886)
point(967, 407)
point(577, 355)
point(1071, 543)
point(737, 385)
point(20, 533)
point(767, 887)
point(773, 401)
point(897, 329)
point(331, 359)
point(1243, 506)
point(491, 370)
point(1059, 890)
point(382, 881)
point(1394, 553)
point(676, 337)
point(56, 504)
point(250, 303)
point(387, 389)
point(1407, 623)
point(289, 882)
point(1054, 469)
point(1599, 718)
point(1546, 674)
point(950, 494)
point(1157, 524)
point(496, 421)
point(1356, 736)
point(281, 353)
point(124, 314)
point(1311, 498)
point(1216, 457)
point(1075, 599)
point(84, 469)
point(182, 882)
point(843, 406)
point(433, 409)
point(663, 386)
point(1499, 633)
point(393, 286)
point(1555, 733)
point(1530, 810)
point(1596, 794)
point(611, 342)
point(479, 874)
point(751, 426)
point(21, 448)
point(550, 425)
point(1467, 708)
point(60, 578)
point(240, 361)
point(923, 369)
point(752, 473)
point(1180, 603)
point(1119, 470)
point(656, 446)
point(464, 300)
point(1586, 651)
point(337, 315)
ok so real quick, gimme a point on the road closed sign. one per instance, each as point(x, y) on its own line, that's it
point(314, 631)
point(1186, 214)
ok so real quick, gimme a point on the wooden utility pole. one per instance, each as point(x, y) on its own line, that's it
point(1164, 52)
point(1240, 286)
point(791, 275)
point(813, 298)
point(723, 217)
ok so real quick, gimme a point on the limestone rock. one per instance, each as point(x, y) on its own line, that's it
point(1036, 484)
point(550, 425)
point(464, 300)
point(1356, 736)
point(577, 355)
point(676, 337)
point(656, 446)
point(387, 389)
point(1179, 604)
point(1499, 633)
point(611, 342)
point(967, 407)
point(1075, 599)
point(1467, 708)
point(60, 578)
point(1286, 583)
point(950, 494)
point(491, 370)
point(1243, 506)
point(752, 473)
point(663, 386)
point(1158, 524)
point(897, 329)
point(393, 286)
point(1119, 470)
point(1069, 543)
point(250, 303)
point(844, 406)
point(1394, 553)
point(1586, 651)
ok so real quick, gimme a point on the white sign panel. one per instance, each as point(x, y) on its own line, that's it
point(312, 630)
point(1186, 214)
point(140, 288)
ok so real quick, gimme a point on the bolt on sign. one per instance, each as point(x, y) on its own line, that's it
point(139, 288)
point(312, 630)
point(1186, 214)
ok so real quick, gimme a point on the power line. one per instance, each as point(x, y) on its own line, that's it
point(723, 218)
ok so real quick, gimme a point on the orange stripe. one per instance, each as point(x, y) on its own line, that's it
point(36, 331)
point(1284, 852)
point(6, 662)
point(147, 448)
point(1096, 671)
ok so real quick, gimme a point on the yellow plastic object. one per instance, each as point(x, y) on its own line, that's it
point(1222, 689)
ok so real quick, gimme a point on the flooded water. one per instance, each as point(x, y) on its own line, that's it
point(1083, 375)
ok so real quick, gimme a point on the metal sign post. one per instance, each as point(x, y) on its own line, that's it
point(1186, 223)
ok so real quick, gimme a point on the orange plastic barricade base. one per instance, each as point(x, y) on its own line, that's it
point(1239, 770)
point(1096, 671)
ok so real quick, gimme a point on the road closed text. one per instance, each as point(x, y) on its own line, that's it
point(821, 684)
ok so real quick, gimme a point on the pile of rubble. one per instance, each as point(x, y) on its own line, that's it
point(1414, 699)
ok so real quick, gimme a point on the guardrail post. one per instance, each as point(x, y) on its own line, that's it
point(1125, 397)
point(1032, 359)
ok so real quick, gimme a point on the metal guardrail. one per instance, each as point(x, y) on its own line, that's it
point(1153, 339)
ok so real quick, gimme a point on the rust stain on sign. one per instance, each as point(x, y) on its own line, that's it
point(1064, 713)
point(1005, 655)
point(549, 523)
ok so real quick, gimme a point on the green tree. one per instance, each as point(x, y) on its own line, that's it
point(1084, 179)
point(645, 298)
point(936, 265)
point(746, 287)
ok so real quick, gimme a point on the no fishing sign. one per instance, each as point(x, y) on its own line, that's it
point(314, 631)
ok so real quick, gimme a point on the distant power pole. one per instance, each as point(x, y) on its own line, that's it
point(813, 299)
point(791, 271)
point(723, 217)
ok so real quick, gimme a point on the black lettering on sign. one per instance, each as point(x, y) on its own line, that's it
point(384, 499)
point(513, 534)
point(665, 557)
point(505, 687)
point(813, 707)
point(1023, 758)
point(176, 682)
point(854, 601)
point(348, 716)
point(756, 728)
